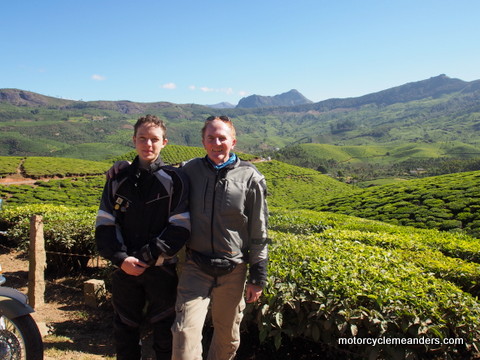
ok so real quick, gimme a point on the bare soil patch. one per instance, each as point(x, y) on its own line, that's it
point(18, 179)
point(65, 321)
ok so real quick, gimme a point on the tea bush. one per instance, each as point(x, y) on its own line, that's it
point(68, 233)
point(447, 202)
point(9, 165)
point(36, 167)
point(325, 286)
point(294, 187)
point(330, 277)
point(74, 191)
point(176, 154)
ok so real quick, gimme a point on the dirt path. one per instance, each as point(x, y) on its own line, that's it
point(19, 177)
point(71, 330)
point(14, 180)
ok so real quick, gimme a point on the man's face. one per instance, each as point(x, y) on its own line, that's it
point(218, 141)
point(149, 141)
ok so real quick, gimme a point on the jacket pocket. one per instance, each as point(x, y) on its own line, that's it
point(233, 201)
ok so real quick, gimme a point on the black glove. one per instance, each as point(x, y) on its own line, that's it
point(145, 255)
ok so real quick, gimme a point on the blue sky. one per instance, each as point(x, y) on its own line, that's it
point(206, 52)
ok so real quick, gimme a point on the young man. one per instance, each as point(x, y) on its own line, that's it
point(229, 230)
point(143, 221)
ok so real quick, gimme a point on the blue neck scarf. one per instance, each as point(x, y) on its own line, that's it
point(231, 160)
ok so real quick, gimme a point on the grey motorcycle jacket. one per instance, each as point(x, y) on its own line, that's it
point(229, 214)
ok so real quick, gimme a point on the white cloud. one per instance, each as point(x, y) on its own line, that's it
point(97, 77)
point(192, 87)
point(206, 89)
point(243, 93)
point(169, 86)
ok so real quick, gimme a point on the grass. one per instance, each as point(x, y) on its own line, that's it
point(63, 347)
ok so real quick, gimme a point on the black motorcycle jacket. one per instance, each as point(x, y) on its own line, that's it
point(143, 213)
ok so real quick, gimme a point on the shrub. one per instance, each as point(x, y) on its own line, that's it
point(447, 202)
point(326, 289)
point(68, 233)
point(334, 276)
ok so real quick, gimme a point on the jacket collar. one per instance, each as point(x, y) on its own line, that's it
point(230, 164)
point(134, 168)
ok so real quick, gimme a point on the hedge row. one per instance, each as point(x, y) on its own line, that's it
point(326, 290)
point(447, 202)
point(76, 191)
point(326, 283)
point(68, 232)
point(330, 277)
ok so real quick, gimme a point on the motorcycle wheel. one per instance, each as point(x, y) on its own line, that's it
point(20, 339)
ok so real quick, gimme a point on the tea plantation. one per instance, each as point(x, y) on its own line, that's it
point(447, 202)
point(346, 282)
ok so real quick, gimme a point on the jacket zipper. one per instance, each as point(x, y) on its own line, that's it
point(213, 212)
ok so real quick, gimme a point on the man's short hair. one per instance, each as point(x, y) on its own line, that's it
point(223, 118)
point(150, 119)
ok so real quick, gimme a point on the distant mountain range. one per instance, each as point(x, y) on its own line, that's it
point(26, 98)
point(290, 98)
point(433, 87)
point(293, 99)
point(222, 105)
point(438, 109)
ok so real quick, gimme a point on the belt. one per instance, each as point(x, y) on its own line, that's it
point(166, 261)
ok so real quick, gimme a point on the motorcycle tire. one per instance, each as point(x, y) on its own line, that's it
point(20, 339)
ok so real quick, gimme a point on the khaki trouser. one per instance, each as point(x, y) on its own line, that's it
point(195, 291)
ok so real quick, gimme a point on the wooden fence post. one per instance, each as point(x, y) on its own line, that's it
point(37, 263)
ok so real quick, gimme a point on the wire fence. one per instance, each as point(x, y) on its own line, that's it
point(96, 261)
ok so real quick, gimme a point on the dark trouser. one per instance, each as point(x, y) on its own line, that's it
point(155, 288)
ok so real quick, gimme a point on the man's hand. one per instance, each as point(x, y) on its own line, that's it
point(132, 266)
point(253, 293)
point(115, 169)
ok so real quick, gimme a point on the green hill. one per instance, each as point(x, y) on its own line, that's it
point(367, 163)
point(295, 187)
point(438, 110)
point(93, 151)
point(388, 153)
point(447, 202)
point(34, 167)
point(289, 186)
